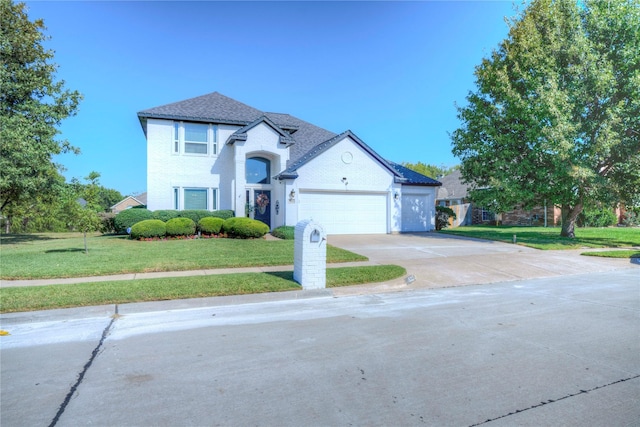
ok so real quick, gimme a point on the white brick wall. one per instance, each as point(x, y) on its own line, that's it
point(167, 170)
point(310, 257)
point(225, 170)
point(326, 171)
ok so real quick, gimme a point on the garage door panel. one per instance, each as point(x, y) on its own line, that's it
point(416, 212)
point(346, 213)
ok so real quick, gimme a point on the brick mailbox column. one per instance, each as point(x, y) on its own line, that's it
point(310, 255)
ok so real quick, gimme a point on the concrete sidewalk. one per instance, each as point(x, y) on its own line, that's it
point(159, 274)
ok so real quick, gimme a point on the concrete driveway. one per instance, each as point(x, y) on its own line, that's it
point(437, 260)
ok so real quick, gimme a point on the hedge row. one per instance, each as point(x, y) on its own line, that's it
point(127, 218)
point(240, 228)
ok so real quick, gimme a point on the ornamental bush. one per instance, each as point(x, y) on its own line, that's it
point(148, 228)
point(285, 232)
point(194, 214)
point(197, 214)
point(443, 214)
point(224, 214)
point(244, 228)
point(129, 217)
point(165, 215)
point(210, 225)
point(181, 227)
point(595, 217)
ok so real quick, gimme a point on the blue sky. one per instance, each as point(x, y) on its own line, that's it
point(388, 71)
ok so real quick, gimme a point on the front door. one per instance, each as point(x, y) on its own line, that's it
point(262, 205)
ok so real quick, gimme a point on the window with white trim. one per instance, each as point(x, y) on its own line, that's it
point(195, 198)
point(176, 137)
point(195, 138)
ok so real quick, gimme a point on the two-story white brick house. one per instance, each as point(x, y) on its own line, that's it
point(212, 152)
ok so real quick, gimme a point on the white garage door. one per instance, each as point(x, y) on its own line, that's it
point(416, 212)
point(345, 213)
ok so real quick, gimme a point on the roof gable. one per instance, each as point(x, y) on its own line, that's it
point(291, 171)
point(241, 134)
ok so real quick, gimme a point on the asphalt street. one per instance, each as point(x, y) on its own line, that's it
point(561, 350)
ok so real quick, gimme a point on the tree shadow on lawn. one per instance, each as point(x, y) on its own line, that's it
point(62, 251)
point(16, 239)
point(286, 275)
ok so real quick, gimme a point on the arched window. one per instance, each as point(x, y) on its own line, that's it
point(258, 171)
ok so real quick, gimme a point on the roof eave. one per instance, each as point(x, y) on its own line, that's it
point(287, 175)
point(143, 115)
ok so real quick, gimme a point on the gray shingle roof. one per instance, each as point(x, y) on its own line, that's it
point(241, 134)
point(217, 108)
point(291, 171)
point(213, 107)
point(402, 174)
point(305, 139)
point(412, 177)
point(452, 187)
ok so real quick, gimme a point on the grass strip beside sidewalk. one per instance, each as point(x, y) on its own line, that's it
point(548, 238)
point(21, 299)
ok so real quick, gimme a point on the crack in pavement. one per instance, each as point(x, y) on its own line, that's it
point(517, 411)
point(86, 367)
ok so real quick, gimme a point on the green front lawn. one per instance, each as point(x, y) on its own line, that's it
point(58, 255)
point(549, 238)
point(621, 253)
point(119, 292)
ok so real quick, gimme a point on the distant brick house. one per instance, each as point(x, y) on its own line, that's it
point(129, 202)
point(454, 194)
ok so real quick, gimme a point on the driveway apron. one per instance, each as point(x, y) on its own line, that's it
point(435, 260)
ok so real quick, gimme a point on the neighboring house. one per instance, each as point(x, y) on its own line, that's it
point(129, 202)
point(454, 194)
point(212, 152)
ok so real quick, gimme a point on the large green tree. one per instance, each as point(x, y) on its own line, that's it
point(32, 105)
point(432, 171)
point(555, 116)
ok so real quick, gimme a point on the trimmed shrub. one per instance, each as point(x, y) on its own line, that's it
point(197, 214)
point(244, 228)
point(224, 214)
point(129, 217)
point(194, 214)
point(165, 215)
point(148, 228)
point(286, 232)
point(181, 227)
point(210, 225)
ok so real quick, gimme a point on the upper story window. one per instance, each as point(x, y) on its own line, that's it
point(258, 171)
point(195, 138)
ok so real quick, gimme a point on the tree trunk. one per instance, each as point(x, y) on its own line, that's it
point(569, 217)
point(86, 249)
